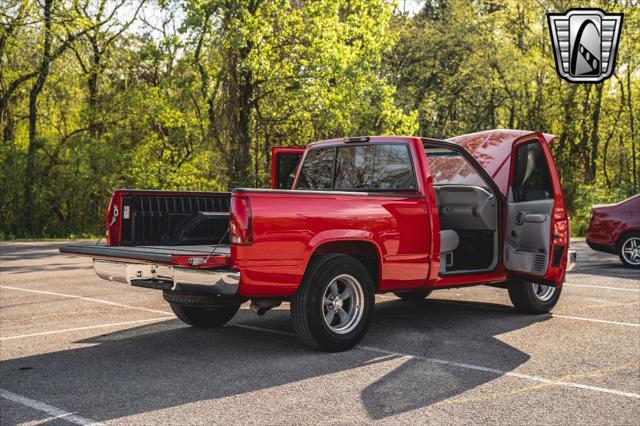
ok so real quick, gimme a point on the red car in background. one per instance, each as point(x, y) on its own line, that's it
point(615, 228)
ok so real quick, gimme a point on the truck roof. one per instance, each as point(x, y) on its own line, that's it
point(491, 148)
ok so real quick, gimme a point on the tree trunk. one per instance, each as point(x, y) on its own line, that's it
point(634, 150)
point(240, 172)
point(30, 171)
point(240, 97)
point(592, 171)
point(92, 84)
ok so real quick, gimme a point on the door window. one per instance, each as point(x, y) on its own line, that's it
point(449, 167)
point(532, 180)
point(286, 171)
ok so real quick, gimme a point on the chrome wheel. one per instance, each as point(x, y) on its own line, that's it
point(631, 251)
point(342, 305)
point(543, 293)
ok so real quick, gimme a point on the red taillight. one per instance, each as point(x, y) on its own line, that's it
point(240, 221)
point(560, 225)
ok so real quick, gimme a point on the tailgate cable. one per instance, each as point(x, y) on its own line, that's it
point(215, 247)
point(113, 220)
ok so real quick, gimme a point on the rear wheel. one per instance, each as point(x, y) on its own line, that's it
point(204, 317)
point(333, 307)
point(629, 250)
point(533, 298)
point(413, 296)
point(201, 309)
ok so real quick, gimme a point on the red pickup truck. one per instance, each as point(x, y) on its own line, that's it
point(346, 219)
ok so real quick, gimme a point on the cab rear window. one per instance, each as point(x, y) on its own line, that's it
point(365, 167)
point(317, 169)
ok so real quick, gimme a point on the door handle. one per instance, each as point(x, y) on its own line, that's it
point(523, 217)
point(535, 218)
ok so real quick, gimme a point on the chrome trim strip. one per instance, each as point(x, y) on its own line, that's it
point(221, 281)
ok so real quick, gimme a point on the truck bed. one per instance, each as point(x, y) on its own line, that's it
point(161, 254)
point(166, 218)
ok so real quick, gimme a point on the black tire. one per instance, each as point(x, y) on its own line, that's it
point(201, 317)
point(208, 300)
point(308, 304)
point(525, 299)
point(413, 296)
point(623, 244)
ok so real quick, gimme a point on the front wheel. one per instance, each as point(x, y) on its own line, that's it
point(629, 250)
point(533, 298)
point(333, 307)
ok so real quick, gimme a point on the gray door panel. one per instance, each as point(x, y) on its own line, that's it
point(528, 226)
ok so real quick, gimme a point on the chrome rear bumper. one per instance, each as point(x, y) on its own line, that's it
point(571, 260)
point(218, 281)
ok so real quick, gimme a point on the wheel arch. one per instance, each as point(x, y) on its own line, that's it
point(365, 251)
point(623, 235)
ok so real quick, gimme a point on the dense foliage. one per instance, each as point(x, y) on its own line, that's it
point(102, 94)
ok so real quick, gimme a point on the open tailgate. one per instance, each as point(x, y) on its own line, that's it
point(201, 256)
point(185, 268)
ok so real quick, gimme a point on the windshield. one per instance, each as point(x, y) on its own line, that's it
point(448, 167)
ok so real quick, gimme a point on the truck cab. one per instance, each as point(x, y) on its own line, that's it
point(346, 219)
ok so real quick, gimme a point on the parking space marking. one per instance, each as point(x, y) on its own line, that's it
point(603, 287)
point(628, 324)
point(606, 305)
point(497, 309)
point(450, 302)
point(89, 327)
point(494, 395)
point(89, 299)
point(490, 370)
point(46, 408)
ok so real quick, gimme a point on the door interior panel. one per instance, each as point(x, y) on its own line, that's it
point(527, 237)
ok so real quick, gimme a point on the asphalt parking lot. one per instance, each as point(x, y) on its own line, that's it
point(78, 349)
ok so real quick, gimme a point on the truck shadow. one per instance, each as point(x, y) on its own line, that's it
point(437, 334)
point(166, 364)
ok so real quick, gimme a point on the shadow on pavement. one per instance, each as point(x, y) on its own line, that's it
point(168, 364)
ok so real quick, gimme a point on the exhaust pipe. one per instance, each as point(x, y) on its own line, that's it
point(262, 305)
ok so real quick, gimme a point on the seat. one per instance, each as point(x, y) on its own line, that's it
point(449, 241)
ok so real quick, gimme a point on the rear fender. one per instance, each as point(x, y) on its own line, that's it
point(330, 242)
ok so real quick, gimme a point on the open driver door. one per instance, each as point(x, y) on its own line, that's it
point(536, 222)
point(284, 165)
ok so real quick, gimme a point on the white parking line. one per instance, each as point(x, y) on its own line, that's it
point(603, 287)
point(451, 302)
point(628, 324)
point(90, 327)
point(497, 309)
point(89, 299)
point(46, 408)
point(495, 371)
